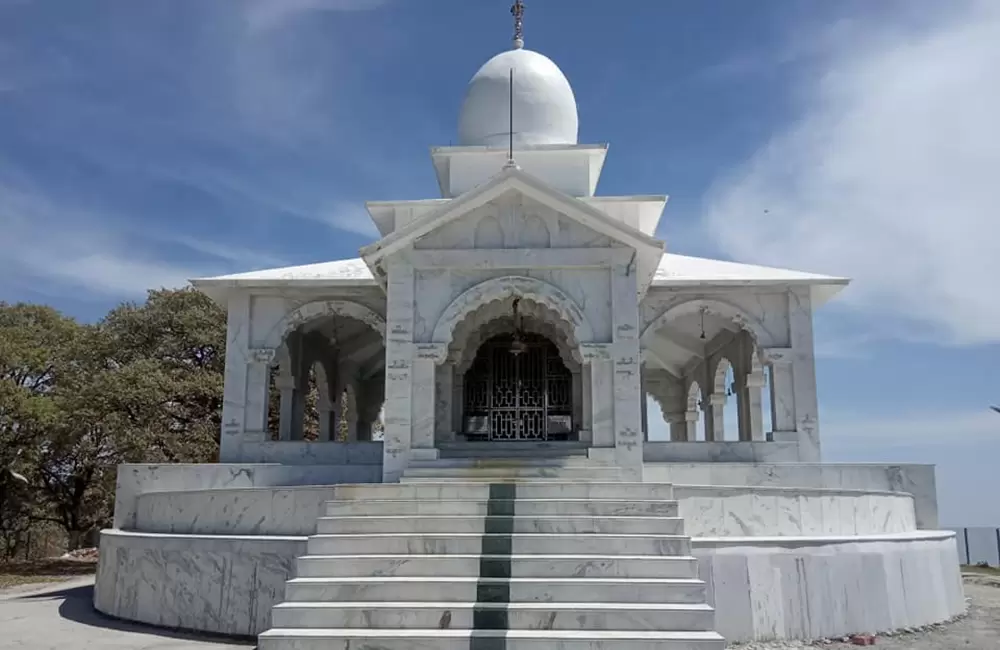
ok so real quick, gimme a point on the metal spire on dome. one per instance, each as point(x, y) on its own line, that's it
point(517, 10)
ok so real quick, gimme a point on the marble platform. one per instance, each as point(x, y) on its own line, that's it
point(239, 528)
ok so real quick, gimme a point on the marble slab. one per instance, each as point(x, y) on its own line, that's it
point(723, 511)
point(222, 584)
point(134, 480)
point(233, 511)
point(720, 452)
point(917, 480)
point(811, 588)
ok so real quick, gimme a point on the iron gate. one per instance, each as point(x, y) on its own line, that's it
point(525, 396)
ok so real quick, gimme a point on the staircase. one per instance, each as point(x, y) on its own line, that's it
point(499, 558)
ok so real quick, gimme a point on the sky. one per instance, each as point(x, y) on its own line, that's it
point(145, 143)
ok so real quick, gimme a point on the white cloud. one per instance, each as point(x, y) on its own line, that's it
point(68, 249)
point(349, 217)
point(890, 176)
point(267, 14)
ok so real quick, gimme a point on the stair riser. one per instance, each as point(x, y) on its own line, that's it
point(450, 592)
point(477, 491)
point(486, 462)
point(375, 642)
point(446, 525)
point(464, 567)
point(465, 619)
point(518, 545)
point(491, 474)
point(522, 507)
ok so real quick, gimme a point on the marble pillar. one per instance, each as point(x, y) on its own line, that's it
point(755, 406)
point(234, 391)
point(691, 425)
point(715, 426)
point(678, 423)
point(804, 374)
point(627, 363)
point(424, 406)
point(285, 383)
point(602, 403)
point(644, 406)
point(398, 364)
point(444, 393)
point(782, 397)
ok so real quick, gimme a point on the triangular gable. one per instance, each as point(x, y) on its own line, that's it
point(512, 179)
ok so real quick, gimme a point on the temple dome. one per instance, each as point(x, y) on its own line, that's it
point(544, 105)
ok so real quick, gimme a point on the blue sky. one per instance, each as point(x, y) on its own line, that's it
point(143, 143)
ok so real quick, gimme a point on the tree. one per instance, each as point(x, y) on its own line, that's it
point(34, 352)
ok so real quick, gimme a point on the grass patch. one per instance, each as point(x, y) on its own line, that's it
point(43, 571)
point(984, 570)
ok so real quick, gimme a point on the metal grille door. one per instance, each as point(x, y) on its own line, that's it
point(525, 396)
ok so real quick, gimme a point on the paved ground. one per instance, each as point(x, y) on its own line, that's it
point(56, 617)
point(61, 616)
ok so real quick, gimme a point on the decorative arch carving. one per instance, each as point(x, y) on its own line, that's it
point(722, 366)
point(760, 335)
point(320, 309)
point(502, 288)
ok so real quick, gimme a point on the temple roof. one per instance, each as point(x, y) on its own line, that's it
point(673, 271)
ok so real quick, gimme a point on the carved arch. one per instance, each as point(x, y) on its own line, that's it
point(502, 288)
point(320, 309)
point(761, 336)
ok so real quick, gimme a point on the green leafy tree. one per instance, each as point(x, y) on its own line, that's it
point(34, 353)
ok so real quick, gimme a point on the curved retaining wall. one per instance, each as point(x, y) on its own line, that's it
point(208, 583)
point(762, 588)
point(808, 588)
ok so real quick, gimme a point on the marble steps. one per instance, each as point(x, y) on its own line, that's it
point(513, 590)
point(442, 524)
point(454, 639)
point(517, 543)
point(519, 507)
point(520, 566)
point(454, 490)
point(492, 473)
point(517, 563)
point(513, 616)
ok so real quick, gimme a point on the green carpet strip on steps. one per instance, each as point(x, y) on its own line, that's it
point(495, 561)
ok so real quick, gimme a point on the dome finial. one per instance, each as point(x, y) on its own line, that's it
point(517, 10)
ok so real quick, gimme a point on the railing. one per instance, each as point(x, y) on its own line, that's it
point(978, 545)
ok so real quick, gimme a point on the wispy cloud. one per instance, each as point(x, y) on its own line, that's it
point(268, 14)
point(953, 428)
point(889, 176)
point(147, 145)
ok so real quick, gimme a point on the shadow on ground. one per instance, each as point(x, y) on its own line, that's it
point(78, 606)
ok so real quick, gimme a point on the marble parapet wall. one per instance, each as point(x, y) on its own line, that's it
point(917, 480)
point(745, 511)
point(135, 480)
point(239, 511)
